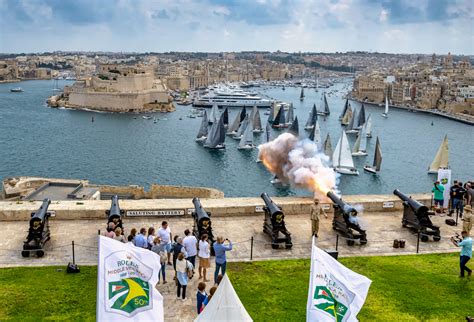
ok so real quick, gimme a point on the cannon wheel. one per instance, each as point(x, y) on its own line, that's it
point(350, 242)
point(436, 238)
point(424, 238)
point(40, 253)
point(275, 246)
point(363, 242)
point(288, 246)
point(25, 253)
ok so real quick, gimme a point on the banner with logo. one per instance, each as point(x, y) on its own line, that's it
point(126, 280)
point(335, 292)
point(444, 177)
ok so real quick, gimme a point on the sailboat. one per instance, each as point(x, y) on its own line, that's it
point(347, 116)
point(312, 119)
point(216, 136)
point(242, 128)
point(360, 146)
point(290, 116)
point(368, 127)
point(441, 159)
point(271, 115)
point(203, 130)
point(361, 117)
point(302, 94)
point(214, 114)
point(257, 123)
point(328, 147)
point(344, 110)
point(326, 111)
point(294, 128)
point(385, 114)
point(246, 142)
point(375, 168)
point(243, 114)
point(226, 118)
point(342, 158)
point(234, 126)
point(315, 135)
point(280, 119)
point(351, 127)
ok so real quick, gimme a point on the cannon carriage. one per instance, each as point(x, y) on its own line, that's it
point(38, 232)
point(274, 224)
point(202, 223)
point(416, 217)
point(341, 222)
point(115, 214)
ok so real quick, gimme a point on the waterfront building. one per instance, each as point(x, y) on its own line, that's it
point(8, 70)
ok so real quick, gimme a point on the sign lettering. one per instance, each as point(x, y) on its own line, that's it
point(155, 213)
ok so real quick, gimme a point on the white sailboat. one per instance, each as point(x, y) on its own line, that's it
point(375, 168)
point(347, 116)
point(368, 126)
point(257, 123)
point(360, 146)
point(342, 158)
point(242, 128)
point(441, 159)
point(312, 119)
point(246, 142)
point(203, 130)
point(351, 127)
point(385, 113)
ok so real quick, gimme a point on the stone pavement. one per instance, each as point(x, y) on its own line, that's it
point(382, 229)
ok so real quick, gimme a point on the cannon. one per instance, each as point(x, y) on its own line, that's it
point(341, 221)
point(114, 214)
point(416, 217)
point(38, 232)
point(274, 224)
point(202, 223)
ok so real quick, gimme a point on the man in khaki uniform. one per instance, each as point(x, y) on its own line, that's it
point(467, 219)
point(316, 210)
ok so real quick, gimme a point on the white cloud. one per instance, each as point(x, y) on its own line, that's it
point(383, 15)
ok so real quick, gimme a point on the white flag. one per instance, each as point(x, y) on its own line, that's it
point(126, 280)
point(335, 292)
point(444, 177)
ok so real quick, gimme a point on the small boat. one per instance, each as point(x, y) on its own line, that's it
point(283, 88)
point(360, 146)
point(280, 119)
point(385, 113)
point(203, 129)
point(155, 120)
point(16, 90)
point(302, 94)
point(368, 127)
point(146, 117)
point(226, 117)
point(312, 119)
point(216, 136)
point(342, 158)
point(191, 116)
point(441, 160)
point(246, 142)
point(375, 168)
point(242, 128)
point(326, 111)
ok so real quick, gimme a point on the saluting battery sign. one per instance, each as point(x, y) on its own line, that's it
point(155, 213)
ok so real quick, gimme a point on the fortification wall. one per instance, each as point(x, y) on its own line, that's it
point(223, 207)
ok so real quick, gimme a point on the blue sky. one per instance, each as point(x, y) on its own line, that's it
point(398, 26)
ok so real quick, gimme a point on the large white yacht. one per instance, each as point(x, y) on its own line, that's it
point(231, 97)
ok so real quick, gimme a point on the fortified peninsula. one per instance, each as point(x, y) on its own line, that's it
point(118, 89)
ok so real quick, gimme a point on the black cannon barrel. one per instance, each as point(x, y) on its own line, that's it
point(345, 207)
point(415, 205)
point(200, 213)
point(40, 214)
point(114, 210)
point(271, 206)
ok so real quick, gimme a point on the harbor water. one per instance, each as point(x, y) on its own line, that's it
point(124, 149)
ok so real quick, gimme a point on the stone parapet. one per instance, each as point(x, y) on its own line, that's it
point(220, 207)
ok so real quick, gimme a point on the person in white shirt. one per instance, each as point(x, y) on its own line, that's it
point(151, 237)
point(204, 257)
point(165, 237)
point(190, 244)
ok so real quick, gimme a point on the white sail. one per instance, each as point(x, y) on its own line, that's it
point(328, 147)
point(290, 115)
point(203, 129)
point(377, 156)
point(317, 135)
point(363, 139)
point(386, 105)
point(247, 138)
point(347, 116)
point(257, 122)
point(441, 159)
point(342, 157)
point(232, 129)
point(368, 127)
point(242, 128)
point(214, 114)
point(356, 144)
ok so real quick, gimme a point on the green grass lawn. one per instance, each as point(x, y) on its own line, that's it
point(404, 288)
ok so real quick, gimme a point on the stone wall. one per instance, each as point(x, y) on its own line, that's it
point(161, 191)
point(223, 207)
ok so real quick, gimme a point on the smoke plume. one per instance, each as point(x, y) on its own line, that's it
point(299, 163)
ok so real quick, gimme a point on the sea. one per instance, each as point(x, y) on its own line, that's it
point(126, 149)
